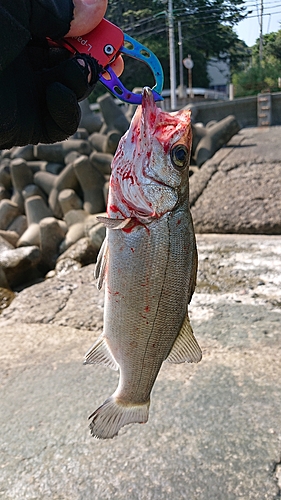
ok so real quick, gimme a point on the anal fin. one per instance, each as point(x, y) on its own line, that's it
point(100, 354)
point(186, 347)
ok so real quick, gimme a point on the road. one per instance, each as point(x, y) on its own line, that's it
point(214, 430)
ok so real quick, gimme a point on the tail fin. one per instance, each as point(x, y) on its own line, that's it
point(108, 419)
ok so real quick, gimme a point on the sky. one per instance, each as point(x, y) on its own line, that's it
point(249, 29)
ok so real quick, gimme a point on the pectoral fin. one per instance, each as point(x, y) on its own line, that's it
point(100, 354)
point(114, 223)
point(101, 263)
point(185, 348)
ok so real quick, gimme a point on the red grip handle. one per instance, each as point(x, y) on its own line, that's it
point(102, 43)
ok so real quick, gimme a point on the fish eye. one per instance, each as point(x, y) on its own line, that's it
point(180, 156)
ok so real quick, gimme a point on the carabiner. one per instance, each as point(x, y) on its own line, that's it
point(141, 53)
point(105, 43)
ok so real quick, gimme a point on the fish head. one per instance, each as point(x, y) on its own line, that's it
point(150, 168)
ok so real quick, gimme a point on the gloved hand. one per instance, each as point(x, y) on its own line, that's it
point(39, 92)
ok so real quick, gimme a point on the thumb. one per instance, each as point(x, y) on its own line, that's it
point(87, 15)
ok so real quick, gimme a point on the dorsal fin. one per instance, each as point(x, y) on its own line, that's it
point(186, 347)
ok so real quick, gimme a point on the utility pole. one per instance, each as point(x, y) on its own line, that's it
point(261, 29)
point(172, 55)
point(182, 89)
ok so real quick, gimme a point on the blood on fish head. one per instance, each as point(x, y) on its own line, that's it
point(150, 168)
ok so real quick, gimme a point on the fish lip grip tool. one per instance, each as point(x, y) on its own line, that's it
point(105, 43)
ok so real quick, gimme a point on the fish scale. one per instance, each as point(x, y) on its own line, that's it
point(149, 265)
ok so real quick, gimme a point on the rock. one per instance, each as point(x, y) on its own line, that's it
point(21, 176)
point(45, 166)
point(75, 217)
point(5, 245)
point(198, 132)
point(81, 133)
point(25, 152)
point(237, 190)
point(75, 220)
point(91, 181)
point(112, 141)
point(4, 195)
point(200, 179)
point(10, 236)
point(113, 115)
point(30, 237)
point(97, 235)
point(51, 235)
point(67, 179)
point(105, 192)
point(8, 212)
point(37, 165)
point(19, 225)
point(83, 251)
point(54, 168)
point(102, 162)
point(5, 175)
point(69, 200)
point(45, 181)
point(36, 210)
point(70, 157)
point(6, 153)
point(105, 143)
point(33, 190)
point(18, 263)
point(64, 266)
point(215, 137)
point(97, 141)
point(3, 280)
point(90, 120)
point(246, 206)
point(92, 221)
point(57, 152)
point(6, 296)
point(59, 299)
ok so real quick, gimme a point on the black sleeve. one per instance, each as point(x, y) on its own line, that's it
point(22, 19)
point(40, 85)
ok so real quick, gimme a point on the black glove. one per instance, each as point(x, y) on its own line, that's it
point(39, 94)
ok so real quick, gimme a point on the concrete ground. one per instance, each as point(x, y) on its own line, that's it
point(214, 431)
point(239, 189)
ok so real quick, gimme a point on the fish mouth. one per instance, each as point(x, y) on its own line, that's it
point(147, 96)
point(148, 108)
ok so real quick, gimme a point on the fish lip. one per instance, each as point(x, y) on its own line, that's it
point(147, 92)
point(148, 108)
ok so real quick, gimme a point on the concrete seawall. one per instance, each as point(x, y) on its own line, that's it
point(244, 109)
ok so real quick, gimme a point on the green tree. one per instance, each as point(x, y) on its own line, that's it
point(271, 48)
point(207, 31)
point(261, 75)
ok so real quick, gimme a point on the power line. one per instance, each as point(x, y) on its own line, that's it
point(156, 30)
point(204, 10)
point(202, 18)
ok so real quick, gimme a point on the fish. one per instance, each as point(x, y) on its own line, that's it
point(147, 264)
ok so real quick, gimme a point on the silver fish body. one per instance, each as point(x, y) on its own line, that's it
point(149, 265)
